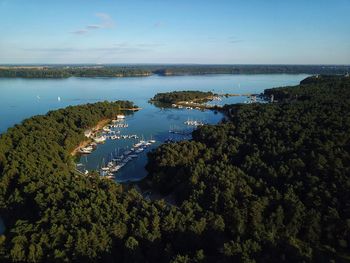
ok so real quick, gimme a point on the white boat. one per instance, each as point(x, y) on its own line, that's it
point(140, 150)
point(193, 123)
point(137, 145)
point(106, 129)
point(86, 150)
point(100, 139)
point(115, 169)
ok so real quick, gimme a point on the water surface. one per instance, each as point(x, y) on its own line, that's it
point(23, 98)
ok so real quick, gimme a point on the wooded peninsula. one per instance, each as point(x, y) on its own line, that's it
point(269, 184)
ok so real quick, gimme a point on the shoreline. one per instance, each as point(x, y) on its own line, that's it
point(94, 129)
point(194, 104)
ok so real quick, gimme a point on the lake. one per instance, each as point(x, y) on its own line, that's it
point(23, 98)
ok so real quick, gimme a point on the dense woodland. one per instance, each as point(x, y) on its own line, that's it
point(250, 69)
point(178, 96)
point(272, 183)
point(269, 184)
point(65, 71)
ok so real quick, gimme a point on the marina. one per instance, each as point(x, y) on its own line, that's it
point(129, 147)
point(194, 123)
point(164, 125)
point(112, 131)
point(117, 161)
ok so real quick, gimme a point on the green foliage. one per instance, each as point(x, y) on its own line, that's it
point(72, 71)
point(248, 69)
point(66, 71)
point(50, 211)
point(177, 96)
point(273, 180)
point(270, 184)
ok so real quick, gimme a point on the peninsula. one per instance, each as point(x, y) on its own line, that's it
point(271, 182)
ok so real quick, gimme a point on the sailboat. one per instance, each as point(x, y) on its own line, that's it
point(58, 98)
point(152, 140)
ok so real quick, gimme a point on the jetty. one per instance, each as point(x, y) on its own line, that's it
point(118, 161)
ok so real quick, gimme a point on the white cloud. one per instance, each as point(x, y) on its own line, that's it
point(80, 32)
point(93, 27)
point(106, 21)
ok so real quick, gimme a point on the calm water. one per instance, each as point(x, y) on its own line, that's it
point(23, 98)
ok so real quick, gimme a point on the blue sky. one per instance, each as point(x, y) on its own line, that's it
point(179, 31)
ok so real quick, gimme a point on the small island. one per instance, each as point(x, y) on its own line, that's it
point(191, 99)
point(179, 96)
point(185, 99)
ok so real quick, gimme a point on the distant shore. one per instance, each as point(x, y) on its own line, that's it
point(114, 71)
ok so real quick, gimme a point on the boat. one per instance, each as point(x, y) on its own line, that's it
point(85, 150)
point(110, 164)
point(140, 150)
point(137, 145)
point(114, 169)
point(193, 123)
point(100, 139)
point(106, 129)
point(127, 153)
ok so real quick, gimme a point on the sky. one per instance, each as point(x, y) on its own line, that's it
point(178, 31)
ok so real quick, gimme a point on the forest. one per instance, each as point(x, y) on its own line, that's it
point(180, 96)
point(178, 70)
point(66, 71)
point(268, 184)
point(275, 178)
